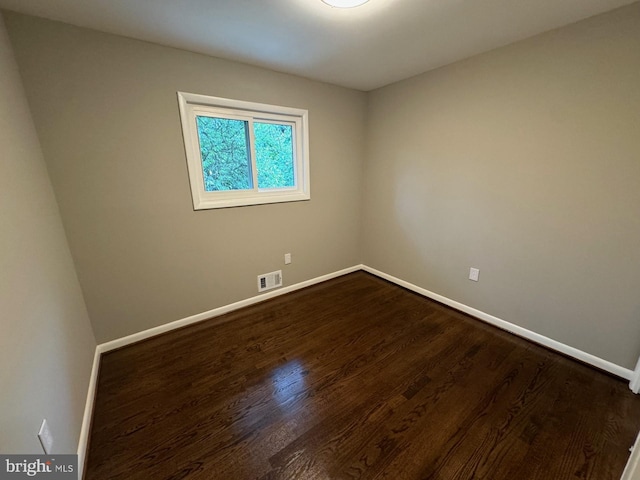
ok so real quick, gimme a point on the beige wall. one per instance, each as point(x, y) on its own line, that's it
point(525, 163)
point(106, 112)
point(46, 342)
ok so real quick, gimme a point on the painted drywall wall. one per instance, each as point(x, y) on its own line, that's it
point(46, 344)
point(106, 112)
point(525, 163)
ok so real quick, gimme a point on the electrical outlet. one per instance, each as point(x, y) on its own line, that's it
point(287, 258)
point(474, 274)
point(45, 437)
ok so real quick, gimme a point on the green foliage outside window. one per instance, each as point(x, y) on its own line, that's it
point(226, 164)
point(274, 155)
point(225, 153)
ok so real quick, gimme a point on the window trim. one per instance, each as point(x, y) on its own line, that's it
point(191, 103)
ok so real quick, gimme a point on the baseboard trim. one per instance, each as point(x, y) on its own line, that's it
point(83, 441)
point(634, 384)
point(585, 357)
point(633, 376)
point(216, 312)
point(632, 469)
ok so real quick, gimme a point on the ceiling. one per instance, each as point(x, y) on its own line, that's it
point(364, 48)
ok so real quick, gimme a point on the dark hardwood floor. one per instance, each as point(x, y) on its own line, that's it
point(350, 379)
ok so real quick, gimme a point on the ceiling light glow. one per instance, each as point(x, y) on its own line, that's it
point(345, 3)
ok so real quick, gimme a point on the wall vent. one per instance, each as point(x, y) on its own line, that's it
point(267, 281)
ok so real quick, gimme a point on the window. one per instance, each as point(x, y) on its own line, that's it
point(244, 153)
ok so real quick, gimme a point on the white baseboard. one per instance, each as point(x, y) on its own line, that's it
point(634, 461)
point(83, 441)
point(634, 384)
point(216, 312)
point(632, 469)
point(512, 328)
point(136, 337)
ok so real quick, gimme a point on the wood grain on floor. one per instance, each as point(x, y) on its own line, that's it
point(354, 378)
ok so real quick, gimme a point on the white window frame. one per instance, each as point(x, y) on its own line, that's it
point(192, 104)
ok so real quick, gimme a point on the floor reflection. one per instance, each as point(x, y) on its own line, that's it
point(289, 382)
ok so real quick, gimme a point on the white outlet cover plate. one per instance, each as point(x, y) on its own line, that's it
point(474, 274)
point(287, 258)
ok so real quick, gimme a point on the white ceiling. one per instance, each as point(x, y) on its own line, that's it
point(364, 48)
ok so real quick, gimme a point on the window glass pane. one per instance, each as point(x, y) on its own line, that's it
point(274, 155)
point(224, 149)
